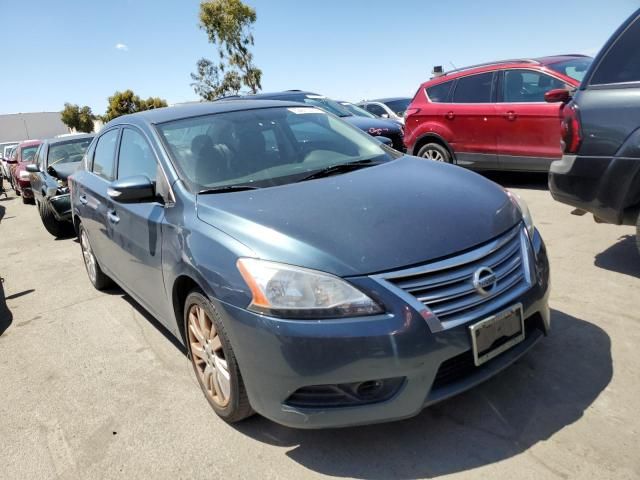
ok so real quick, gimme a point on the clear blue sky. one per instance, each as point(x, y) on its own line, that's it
point(53, 52)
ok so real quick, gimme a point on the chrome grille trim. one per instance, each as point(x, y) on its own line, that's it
point(443, 291)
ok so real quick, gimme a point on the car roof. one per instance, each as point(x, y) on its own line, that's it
point(388, 99)
point(504, 64)
point(178, 112)
point(29, 143)
point(68, 138)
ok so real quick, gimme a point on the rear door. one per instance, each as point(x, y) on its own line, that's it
point(528, 127)
point(92, 198)
point(136, 228)
point(472, 120)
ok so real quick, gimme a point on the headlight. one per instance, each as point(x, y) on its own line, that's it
point(24, 175)
point(293, 292)
point(524, 210)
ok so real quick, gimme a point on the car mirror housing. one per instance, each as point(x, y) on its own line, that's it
point(557, 95)
point(32, 168)
point(136, 189)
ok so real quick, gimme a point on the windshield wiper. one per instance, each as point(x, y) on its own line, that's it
point(340, 168)
point(227, 188)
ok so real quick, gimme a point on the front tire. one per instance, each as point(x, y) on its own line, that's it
point(97, 278)
point(435, 152)
point(54, 227)
point(213, 360)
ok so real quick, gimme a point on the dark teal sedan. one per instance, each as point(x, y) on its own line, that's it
point(315, 275)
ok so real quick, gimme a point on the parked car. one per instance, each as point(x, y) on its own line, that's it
point(361, 112)
point(5, 150)
point(376, 127)
point(392, 108)
point(493, 116)
point(294, 257)
point(23, 155)
point(600, 169)
point(55, 160)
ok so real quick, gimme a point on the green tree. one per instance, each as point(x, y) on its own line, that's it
point(228, 24)
point(78, 118)
point(124, 103)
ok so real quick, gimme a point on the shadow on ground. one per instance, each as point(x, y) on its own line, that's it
point(2, 210)
point(531, 181)
point(6, 317)
point(545, 391)
point(621, 257)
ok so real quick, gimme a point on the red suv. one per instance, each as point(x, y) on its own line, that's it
point(493, 116)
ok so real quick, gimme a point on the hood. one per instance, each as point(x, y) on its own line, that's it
point(374, 126)
point(64, 170)
point(402, 213)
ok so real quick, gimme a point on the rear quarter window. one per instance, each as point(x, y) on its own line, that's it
point(440, 93)
point(621, 64)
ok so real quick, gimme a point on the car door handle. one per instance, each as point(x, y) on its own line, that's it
point(450, 115)
point(83, 199)
point(113, 218)
point(510, 115)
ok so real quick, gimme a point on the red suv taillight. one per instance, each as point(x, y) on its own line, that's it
point(570, 129)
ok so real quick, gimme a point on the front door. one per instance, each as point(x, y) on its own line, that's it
point(529, 127)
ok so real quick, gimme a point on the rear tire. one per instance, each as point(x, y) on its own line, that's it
point(435, 152)
point(55, 227)
point(213, 360)
point(97, 278)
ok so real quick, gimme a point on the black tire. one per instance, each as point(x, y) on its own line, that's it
point(54, 227)
point(238, 407)
point(98, 279)
point(435, 152)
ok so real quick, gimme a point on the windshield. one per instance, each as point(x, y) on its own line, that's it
point(67, 152)
point(398, 106)
point(356, 110)
point(28, 153)
point(264, 147)
point(326, 104)
point(575, 68)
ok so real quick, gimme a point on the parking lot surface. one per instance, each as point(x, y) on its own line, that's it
point(92, 388)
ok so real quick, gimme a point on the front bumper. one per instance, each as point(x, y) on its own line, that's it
point(25, 188)
point(278, 357)
point(61, 206)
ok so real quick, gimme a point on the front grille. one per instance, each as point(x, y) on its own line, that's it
point(446, 287)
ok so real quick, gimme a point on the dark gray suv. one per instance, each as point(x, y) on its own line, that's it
point(600, 170)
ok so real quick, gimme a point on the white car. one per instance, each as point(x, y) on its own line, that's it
point(5, 150)
point(392, 108)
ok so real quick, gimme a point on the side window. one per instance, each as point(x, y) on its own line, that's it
point(270, 140)
point(621, 63)
point(105, 155)
point(135, 157)
point(527, 86)
point(376, 109)
point(474, 89)
point(439, 93)
point(37, 158)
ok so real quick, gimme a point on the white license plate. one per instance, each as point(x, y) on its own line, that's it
point(496, 334)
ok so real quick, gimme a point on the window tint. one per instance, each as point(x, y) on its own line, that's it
point(376, 109)
point(39, 157)
point(622, 62)
point(439, 93)
point(522, 86)
point(68, 152)
point(135, 157)
point(104, 158)
point(473, 89)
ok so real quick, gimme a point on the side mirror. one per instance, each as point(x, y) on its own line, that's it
point(32, 168)
point(137, 189)
point(385, 141)
point(11, 161)
point(557, 95)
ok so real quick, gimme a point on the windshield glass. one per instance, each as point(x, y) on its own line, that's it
point(574, 68)
point(264, 147)
point(67, 152)
point(356, 110)
point(398, 106)
point(326, 104)
point(28, 153)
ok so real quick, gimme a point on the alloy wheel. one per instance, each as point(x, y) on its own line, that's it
point(89, 258)
point(208, 356)
point(433, 155)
